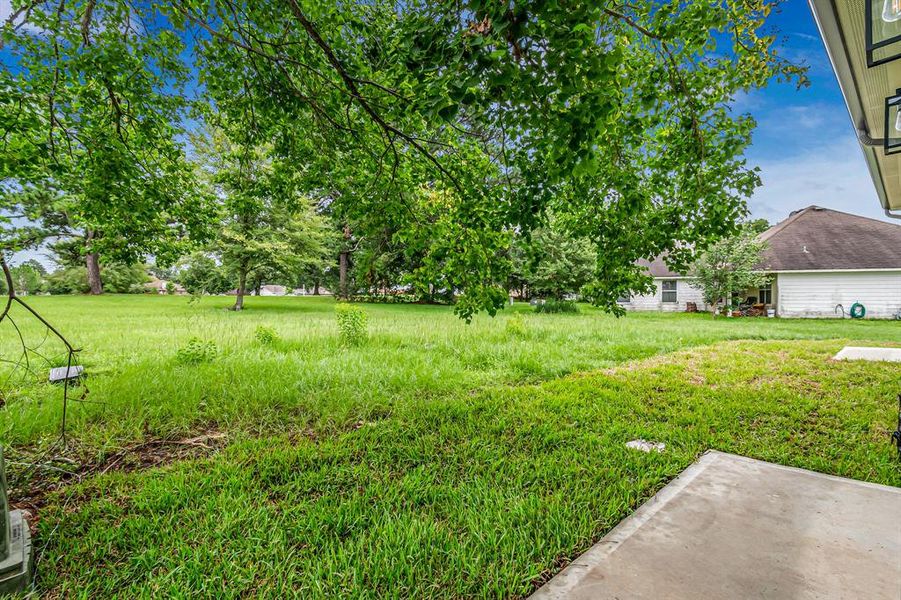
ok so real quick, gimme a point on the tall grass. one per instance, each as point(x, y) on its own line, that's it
point(414, 355)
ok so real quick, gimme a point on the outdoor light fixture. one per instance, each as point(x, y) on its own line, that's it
point(892, 134)
point(883, 31)
point(15, 544)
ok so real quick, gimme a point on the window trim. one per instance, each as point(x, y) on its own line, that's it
point(674, 291)
point(768, 288)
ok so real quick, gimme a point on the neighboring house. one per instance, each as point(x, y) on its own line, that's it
point(818, 259)
point(159, 286)
point(273, 290)
point(673, 291)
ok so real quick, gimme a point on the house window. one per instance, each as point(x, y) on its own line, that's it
point(669, 290)
point(765, 294)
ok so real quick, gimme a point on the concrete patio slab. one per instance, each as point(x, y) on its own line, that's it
point(869, 353)
point(734, 527)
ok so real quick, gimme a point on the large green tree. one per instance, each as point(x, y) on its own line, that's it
point(199, 273)
point(616, 114)
point(92, 103)
point(551, 263)
point(619, 112)
point(267, 228)
point(28, 277)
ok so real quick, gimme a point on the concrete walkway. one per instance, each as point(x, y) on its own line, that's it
point(870, 353)
point(733, 527)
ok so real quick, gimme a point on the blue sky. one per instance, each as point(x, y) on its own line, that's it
point(804, 143)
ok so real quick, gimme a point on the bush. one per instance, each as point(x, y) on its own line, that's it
point(351, 324)
point(266, 335)
point(515, 326)
point(73, 280)
point(196, 351)
point(399, 298)
point(556, 306)
point(116, 278)
point(199, 274)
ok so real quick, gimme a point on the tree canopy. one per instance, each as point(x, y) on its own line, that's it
point(730, 266)
point(92, 103)
point(616, 116)
point(266, 226)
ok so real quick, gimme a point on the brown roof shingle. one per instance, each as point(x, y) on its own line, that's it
point(658, 268)
point(822, 239)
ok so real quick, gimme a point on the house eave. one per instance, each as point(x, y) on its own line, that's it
point(862, 87)
point(885, 270)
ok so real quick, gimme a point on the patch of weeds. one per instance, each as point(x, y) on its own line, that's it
point(266, 335)
point(552, 305)
point(196, 351)
point(352, 324)
point(515, 327)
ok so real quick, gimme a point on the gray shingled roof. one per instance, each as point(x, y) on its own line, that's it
point(821, 239)
point(658, 268)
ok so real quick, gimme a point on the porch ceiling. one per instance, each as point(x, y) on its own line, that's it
point(842, 27)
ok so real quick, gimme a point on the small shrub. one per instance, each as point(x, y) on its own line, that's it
point(515, 327)
point(170, 288)
point(196, 351)
point(351, 324)
point(399, 298)
point(556, 306)
point(266, 335)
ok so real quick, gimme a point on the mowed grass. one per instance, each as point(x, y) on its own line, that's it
point(437, 460)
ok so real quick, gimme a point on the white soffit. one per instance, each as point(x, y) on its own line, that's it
point(841, 24)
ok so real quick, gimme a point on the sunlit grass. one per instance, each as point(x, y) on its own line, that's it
point(439, 459)
point(414, 354)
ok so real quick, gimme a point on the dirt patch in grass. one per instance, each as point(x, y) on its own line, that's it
point(158, 452)
point(43, 474)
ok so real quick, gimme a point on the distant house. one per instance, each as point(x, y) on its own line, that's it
point(818, 259)
point(311, 291)
point(273, 290)
point(159, 286)
point(673, 291)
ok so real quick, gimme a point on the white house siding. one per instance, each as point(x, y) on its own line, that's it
point(817, 294)
point(685, 293)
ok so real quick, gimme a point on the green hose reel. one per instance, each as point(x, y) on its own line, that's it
point(858, 311)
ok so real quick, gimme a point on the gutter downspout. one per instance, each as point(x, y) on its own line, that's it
point(865, 140)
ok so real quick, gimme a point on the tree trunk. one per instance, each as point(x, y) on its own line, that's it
point(316, 288)
point(342, 275)
point(242, 288)
point(92, 262)
point(342, 266)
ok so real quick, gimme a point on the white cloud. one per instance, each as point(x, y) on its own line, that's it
point(830, 177)
point(6, 11)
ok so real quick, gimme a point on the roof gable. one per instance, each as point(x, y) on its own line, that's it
point(821, 239)
point(658, 268)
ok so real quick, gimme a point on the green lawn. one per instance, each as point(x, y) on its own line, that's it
point(439, 459)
